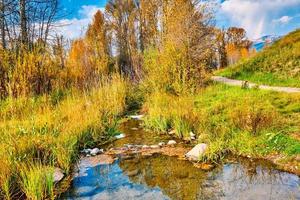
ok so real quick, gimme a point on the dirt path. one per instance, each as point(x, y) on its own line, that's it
point(233, 82)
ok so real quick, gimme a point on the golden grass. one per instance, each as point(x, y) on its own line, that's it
point(36, 134)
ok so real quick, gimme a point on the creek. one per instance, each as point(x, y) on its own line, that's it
point(164, 177)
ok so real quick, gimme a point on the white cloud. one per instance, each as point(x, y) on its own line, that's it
point(283, 20)
point(75, 28)
point(255, 15)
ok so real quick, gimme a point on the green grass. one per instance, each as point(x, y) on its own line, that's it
point(277, 65)
point(243, 121)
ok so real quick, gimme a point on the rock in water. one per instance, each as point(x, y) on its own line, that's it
point(133, 172)
point(86, 151)
point(58, 175)
point(96, 151)
point(196, 152)
point(172, 142)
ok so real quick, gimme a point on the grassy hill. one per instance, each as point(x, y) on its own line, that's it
point(278, 64)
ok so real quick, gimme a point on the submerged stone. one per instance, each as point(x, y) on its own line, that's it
point(133, 172)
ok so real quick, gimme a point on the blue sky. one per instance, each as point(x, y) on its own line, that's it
point(258, 17)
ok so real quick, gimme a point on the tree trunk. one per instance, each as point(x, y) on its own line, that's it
point(23, 19)
point(2, 24)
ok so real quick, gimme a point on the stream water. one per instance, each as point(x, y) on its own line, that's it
point(162, 177)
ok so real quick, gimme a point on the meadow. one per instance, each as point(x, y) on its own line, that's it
point(248, 122)
point(276, 65)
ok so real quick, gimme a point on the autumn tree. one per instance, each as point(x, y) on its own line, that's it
point(187, 32)
point(97, 41)
point(238, 45)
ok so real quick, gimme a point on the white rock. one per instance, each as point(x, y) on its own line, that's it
point(192, 134)
point(154, 146)
point(196, 152)
point(120, 136)
point(58, 175)
point(137, 117)
point(161, 144)
point(193, 138)
point(145, 147)
point(172, 132)
point(172, 142)
point(96, 151)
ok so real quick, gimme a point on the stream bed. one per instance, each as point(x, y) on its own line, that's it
point(162, 177)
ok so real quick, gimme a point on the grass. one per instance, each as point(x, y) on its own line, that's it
point(243, 121)
point(276, 65)
point(39, 133)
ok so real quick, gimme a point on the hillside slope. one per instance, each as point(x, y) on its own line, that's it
point(278, 64)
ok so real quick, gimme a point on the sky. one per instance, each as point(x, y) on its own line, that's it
point(257, 17)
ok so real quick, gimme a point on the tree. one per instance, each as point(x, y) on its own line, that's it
point(185, 46)
point(221, 47)
point(23, 22)
point(2, 24)
point(121, 16)
point(237, 44)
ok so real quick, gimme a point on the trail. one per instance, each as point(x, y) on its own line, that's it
point(240, 83)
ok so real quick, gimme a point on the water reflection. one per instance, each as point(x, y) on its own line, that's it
point(108, 182)
point(162, 177)
point(135, 134)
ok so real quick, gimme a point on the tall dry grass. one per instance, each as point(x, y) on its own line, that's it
point(36, 134)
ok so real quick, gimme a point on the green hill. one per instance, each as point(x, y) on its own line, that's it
point(278, 64)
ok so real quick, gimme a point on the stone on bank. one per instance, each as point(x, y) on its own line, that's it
point(196, 152)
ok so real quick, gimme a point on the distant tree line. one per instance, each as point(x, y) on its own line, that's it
point(166, 44)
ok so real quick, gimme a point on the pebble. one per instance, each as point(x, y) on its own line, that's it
point(96, 151)
point(192, 134)
point(161, 144)
point(154, 146)
point(172, 142)
point(120, 136)
point(136, 117)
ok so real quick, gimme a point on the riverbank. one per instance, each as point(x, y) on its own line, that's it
point(40, 134)
point(249, 122)
point(146, 170)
